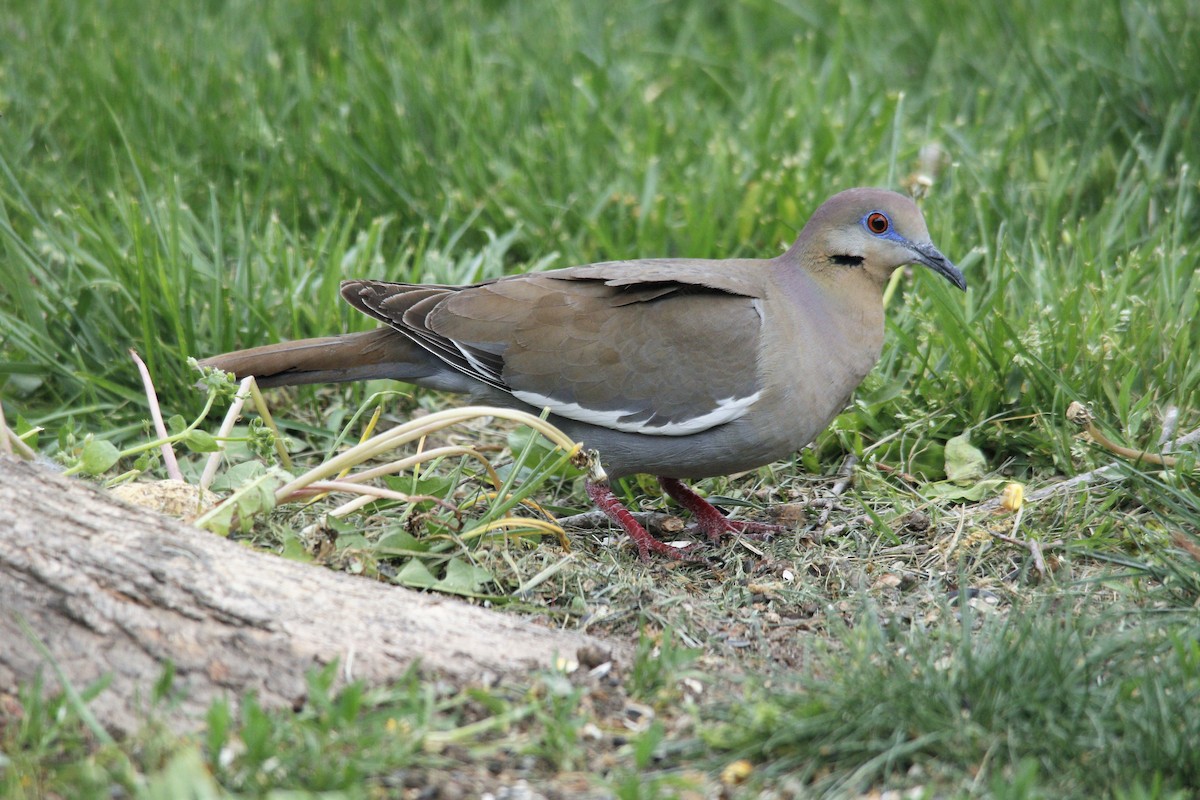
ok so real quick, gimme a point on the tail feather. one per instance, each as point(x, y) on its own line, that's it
point(381, 353)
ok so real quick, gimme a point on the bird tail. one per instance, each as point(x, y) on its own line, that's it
point(381, 353)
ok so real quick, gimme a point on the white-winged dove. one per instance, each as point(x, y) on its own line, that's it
point(680, 368)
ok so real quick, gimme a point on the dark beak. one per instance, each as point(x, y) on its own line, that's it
point(931, 257)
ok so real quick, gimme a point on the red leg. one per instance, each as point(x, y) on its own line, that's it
point(712, 522)
point(602, 495)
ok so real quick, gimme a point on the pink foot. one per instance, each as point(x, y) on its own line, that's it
point(602, 495)
point(712, 522)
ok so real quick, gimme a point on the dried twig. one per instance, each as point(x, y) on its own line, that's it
point(10, 442)
point(366, 495)
point(1170, 422)
point(231, 418)
point(5, 444)
point(1192, 437)
point(862, 520)
point(1101, 474)
point(247, 390)
point(1078, 413)
point(1034, 547)
point(334, 473)
point(655, 521)
point(168, 452)
point(845, 478)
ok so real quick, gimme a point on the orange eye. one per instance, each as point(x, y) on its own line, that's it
point(877, 222)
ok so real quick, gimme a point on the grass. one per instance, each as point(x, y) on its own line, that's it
point(186, 179)
point(1036, 704)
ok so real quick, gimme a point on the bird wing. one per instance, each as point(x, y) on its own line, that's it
point(650, 347)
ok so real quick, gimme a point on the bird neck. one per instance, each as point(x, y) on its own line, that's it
point(843, 304)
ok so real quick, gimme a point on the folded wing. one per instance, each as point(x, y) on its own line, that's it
point(651, 347)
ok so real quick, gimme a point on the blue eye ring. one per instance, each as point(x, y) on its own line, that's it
point(877, 223)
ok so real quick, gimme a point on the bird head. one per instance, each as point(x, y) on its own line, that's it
point(872, 230)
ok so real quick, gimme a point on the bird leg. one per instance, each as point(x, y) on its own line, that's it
point(602, 495)
point(709, 520)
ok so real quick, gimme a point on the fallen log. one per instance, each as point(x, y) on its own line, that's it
point(115, 589)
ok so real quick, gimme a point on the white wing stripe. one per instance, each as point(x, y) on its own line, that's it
point(478, 366)
point(726, 410)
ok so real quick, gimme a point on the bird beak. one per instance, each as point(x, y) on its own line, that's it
point(931, 257)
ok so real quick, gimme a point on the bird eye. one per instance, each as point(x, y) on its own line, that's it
point(878, 222)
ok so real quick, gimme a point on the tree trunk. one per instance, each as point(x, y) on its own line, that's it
point(112, 588)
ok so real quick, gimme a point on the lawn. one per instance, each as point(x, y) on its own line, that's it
point(185, 179)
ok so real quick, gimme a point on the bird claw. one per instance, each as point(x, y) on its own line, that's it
point(687, 553)
point(718, 527)
point(710, 521)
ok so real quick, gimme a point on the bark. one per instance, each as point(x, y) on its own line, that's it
point(113, 588)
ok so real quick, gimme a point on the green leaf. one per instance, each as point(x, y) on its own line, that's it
point(23, 427)
point(399, 539)
point(221, 520)
point(293, 547)
point(539, 448)
point(165, 682)
point(146, 461)
point(98, 456)
point(974, 492)
point(964, 461)
point(433, 485)
point(415, 575)
point(199, 441)
point(463, 578)
point(254, 494)
point(351, 541)
point(254, 499)
point(219, 719)
point(185, 777)
point(645, 745)
point(238, 475)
